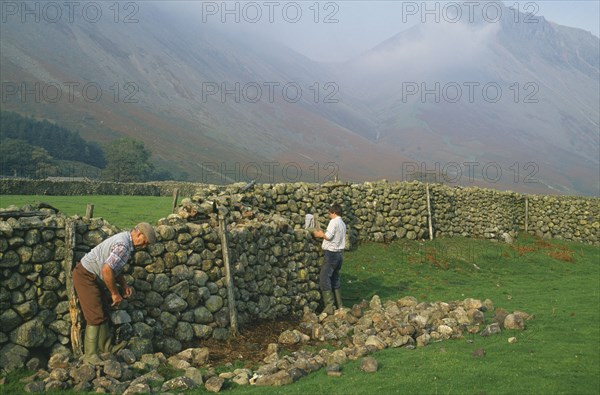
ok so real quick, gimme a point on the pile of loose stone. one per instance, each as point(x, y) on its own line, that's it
point(360, 331)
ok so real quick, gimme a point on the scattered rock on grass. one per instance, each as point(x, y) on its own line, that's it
point(369, 364)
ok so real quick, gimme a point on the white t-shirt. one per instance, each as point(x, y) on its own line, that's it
point(336, 233)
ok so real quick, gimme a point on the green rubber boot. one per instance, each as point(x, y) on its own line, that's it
point(328, 301)
point(90, 345)
point(338, 297)
point(105, 340)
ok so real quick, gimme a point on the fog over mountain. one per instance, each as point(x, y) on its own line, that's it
point(464, 101)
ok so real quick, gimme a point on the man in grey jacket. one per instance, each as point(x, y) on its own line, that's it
point(99, 268)
point(334, 242)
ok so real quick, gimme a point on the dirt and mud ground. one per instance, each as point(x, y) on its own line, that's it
point(250, 346)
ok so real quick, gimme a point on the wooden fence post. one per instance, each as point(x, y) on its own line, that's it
point(526, 214)
point(175, 198)
point(67, 265)
point(89, 211)
point(429, 213)
point(228, 276)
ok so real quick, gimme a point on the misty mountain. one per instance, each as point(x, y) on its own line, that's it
point(521, 95)
point(199, 96)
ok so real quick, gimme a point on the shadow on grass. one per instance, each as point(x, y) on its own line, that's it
point(355, 289)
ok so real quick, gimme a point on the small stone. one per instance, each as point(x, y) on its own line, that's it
point(150, 360)
point(479, 353)
point(513, 321)
point(488, 304)
point(334, 374)
point(423, 340)
point(296, 374)
point(271, 358)
point(126, 356)
point(138, 388)
point(178, 384)
point(507, 238)
point(54, 385)
point(34, 364)
point(119, 317)
point(357, 311)
point(375, 303)
point(227, 375)
point(241, 379)
point(214, 384)
point(200, 356)
point(113, 369)
point(83, 373)
point(272, 348)
point(491, 329)
point(59, 374)
point(376, 342)
point(289, 337)
point(512, 340)
point(369, 365)
point(59, 361)
point(178, 363)
point(275, 380)
point(36, 386)
point(471, 303)
point(338, 357)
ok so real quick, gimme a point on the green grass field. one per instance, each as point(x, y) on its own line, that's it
point(122, 211)
point(556, 282)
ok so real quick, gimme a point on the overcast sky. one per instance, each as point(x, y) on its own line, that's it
point(338, 30)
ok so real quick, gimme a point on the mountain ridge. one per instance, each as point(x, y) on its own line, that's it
point(349, 113)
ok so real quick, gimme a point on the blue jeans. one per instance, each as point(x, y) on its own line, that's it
point(330, 271)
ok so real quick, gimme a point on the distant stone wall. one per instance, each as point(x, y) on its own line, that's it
point(565, 218)
point(377, 211)
point(475, 212)
point(383, 211)
point(23, 186)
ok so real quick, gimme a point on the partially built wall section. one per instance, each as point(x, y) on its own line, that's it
point(183, 293)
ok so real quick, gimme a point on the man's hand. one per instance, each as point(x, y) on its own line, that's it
point(319, 234)
point(127, 291)
point(109, 279)
point(117, 299)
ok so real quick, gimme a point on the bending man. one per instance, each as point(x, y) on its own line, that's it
point(100, 267)
point(334, 242)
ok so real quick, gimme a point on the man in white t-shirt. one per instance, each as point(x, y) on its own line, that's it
point(334, 242)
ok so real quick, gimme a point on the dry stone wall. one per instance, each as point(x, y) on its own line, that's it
point(475, 212)
point(565, 218)
point(181, 290)
point(384, 211)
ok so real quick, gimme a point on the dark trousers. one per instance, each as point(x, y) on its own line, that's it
point(91, 297)
point(330, 271)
